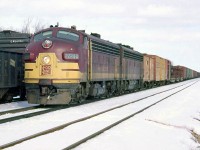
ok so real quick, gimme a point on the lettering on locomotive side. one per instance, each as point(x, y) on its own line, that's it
point(16, 41)
point(46, 70)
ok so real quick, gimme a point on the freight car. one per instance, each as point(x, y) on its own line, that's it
point(157, 70)
point(12, 46)
point(64, 65)
point(198, 74)
point(149, 76)
point(195, 74)
point(180, 73)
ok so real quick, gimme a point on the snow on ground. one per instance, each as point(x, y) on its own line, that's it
point(9, 115)
point(164, 126)
point(18, 105)
point(149, 130)
point(14, 105)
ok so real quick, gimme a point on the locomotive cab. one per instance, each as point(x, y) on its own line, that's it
point(54, 66)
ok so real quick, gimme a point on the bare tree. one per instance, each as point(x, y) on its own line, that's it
point(26, 26)
point(38, 25)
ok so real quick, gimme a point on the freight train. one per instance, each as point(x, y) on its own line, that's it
point(64, 65)
point(180, 73)
point(12, 47)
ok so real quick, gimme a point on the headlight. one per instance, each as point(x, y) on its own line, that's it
point(46, 59)
point(47, 44)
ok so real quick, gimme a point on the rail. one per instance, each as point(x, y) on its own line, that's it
point(60, 127)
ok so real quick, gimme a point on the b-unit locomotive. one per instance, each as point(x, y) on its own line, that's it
point(64, 65)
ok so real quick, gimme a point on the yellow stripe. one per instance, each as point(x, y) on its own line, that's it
point(68, 66)
point(31, 81)
point(58, 74)
point(36, 81)
point(67, 71)
point(66, 81)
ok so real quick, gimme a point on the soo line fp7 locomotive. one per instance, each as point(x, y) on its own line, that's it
point(64, 65)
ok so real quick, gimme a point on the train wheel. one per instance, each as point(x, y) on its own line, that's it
point(8, 98)
point(22, 93)
point(145, 85)
point(82, 93)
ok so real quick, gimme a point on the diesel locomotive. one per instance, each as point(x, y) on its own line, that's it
point(63, 65)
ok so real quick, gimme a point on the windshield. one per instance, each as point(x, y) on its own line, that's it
point(68, 35)
point(42, 35)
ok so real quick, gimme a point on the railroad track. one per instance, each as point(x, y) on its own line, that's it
point(32, 114)
point(48, 110)
point(18, 110)
point(75, 144)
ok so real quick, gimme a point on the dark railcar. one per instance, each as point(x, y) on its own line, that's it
point(12, 47)
point(198, 74)
point(178, 73)
point(195, 74)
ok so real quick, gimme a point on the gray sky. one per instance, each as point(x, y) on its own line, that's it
point(168, 28)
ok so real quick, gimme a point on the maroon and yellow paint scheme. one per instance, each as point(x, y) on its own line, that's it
point(59, 70)
point(52, 82)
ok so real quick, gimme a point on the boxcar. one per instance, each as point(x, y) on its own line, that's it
point(148, 65)
point(168, 70)
point(195, 74)
point(12, 46)
point(198, 74)
point(161, 69)
point(178, 73)
point(189, 73)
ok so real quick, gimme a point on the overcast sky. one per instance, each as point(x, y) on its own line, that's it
point(168, 28)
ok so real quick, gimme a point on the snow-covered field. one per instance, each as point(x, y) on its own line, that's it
point(163, 126)
point(15, 105)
